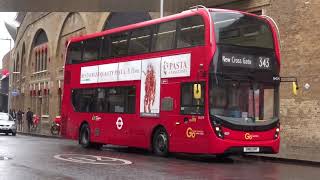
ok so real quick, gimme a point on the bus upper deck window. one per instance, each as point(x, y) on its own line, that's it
point(91, 49)
point(119, 44)
point(140, 41)
point(74, 54)
point(164, 36)
point(191, 32)
point(106, 47)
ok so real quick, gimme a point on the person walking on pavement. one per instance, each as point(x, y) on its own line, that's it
point(10, 112)
point(29, 118)
point(14, 114)
point(19, 118)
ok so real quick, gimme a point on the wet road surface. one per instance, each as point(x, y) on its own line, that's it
point(26, 157)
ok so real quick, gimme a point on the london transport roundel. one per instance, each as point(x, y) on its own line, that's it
point(119, 123)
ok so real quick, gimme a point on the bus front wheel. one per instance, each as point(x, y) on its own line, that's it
point(84, 137)
point(160, 142)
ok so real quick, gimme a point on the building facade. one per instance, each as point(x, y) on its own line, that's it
point(40, 48)
point(4, 83)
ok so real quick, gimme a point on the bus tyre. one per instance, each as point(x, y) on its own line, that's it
point(84, 137)
point(160, 142)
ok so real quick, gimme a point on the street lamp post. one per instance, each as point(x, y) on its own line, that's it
point(161, 8)
point(8, 39)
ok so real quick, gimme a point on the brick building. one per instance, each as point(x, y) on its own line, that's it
point(40, 48)
point(4, 83)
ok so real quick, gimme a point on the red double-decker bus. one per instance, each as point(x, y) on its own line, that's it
point(201, 81)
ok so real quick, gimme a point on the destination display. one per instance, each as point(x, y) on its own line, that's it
point(246, 61)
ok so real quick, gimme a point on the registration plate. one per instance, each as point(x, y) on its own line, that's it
point(251, 149)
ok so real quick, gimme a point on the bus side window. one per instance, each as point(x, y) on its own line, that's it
point(121, 99)
point(140, 41)
point(101, 100)
point(91, 49)
point(75, 100)
point(131, 100)
point(84, 100)
point(164, 36)
point(191, 32)
point(119, 44)
point(190, 105)
point(106, 47)
point(74, 54)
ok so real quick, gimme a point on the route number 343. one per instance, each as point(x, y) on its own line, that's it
point(264, 62)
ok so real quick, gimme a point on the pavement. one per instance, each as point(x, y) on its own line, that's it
point(29, 157)
point(293, 154)
point(38, 134)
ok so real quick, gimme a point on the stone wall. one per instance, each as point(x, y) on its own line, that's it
point(299, 24)
point(58, 27)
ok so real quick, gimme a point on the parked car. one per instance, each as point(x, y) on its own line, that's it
point(7, 124)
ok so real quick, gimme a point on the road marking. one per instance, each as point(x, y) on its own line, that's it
point(5, 157)
point(91, 159)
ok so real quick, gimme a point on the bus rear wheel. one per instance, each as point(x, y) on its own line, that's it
point(160, 142)
point(84, 137)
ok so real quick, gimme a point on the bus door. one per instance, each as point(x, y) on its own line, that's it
point(117, 128)
point(119, 105)
point(189, 132)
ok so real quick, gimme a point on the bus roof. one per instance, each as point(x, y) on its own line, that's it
point(199, 11)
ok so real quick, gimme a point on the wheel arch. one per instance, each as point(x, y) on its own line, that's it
point(82, 123)
point(153, 132)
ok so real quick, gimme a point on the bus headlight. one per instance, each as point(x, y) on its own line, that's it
point(219, 131)
point(276, 134)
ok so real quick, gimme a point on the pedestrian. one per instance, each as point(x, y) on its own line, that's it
point(19, 118)
point(29, 118)
point(14, 114)
point(10, 112)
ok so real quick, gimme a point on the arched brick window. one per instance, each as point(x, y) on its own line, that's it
point(16, 64)
point(40, 44)
point(23, 59)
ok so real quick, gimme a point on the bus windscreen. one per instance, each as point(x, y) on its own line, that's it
point(233, 28)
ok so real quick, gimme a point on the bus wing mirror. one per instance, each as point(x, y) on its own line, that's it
point(294, 88)
point(294, 81)
point(197, 91)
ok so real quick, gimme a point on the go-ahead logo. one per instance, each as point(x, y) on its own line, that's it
point(249, 136)
point(192, 133)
